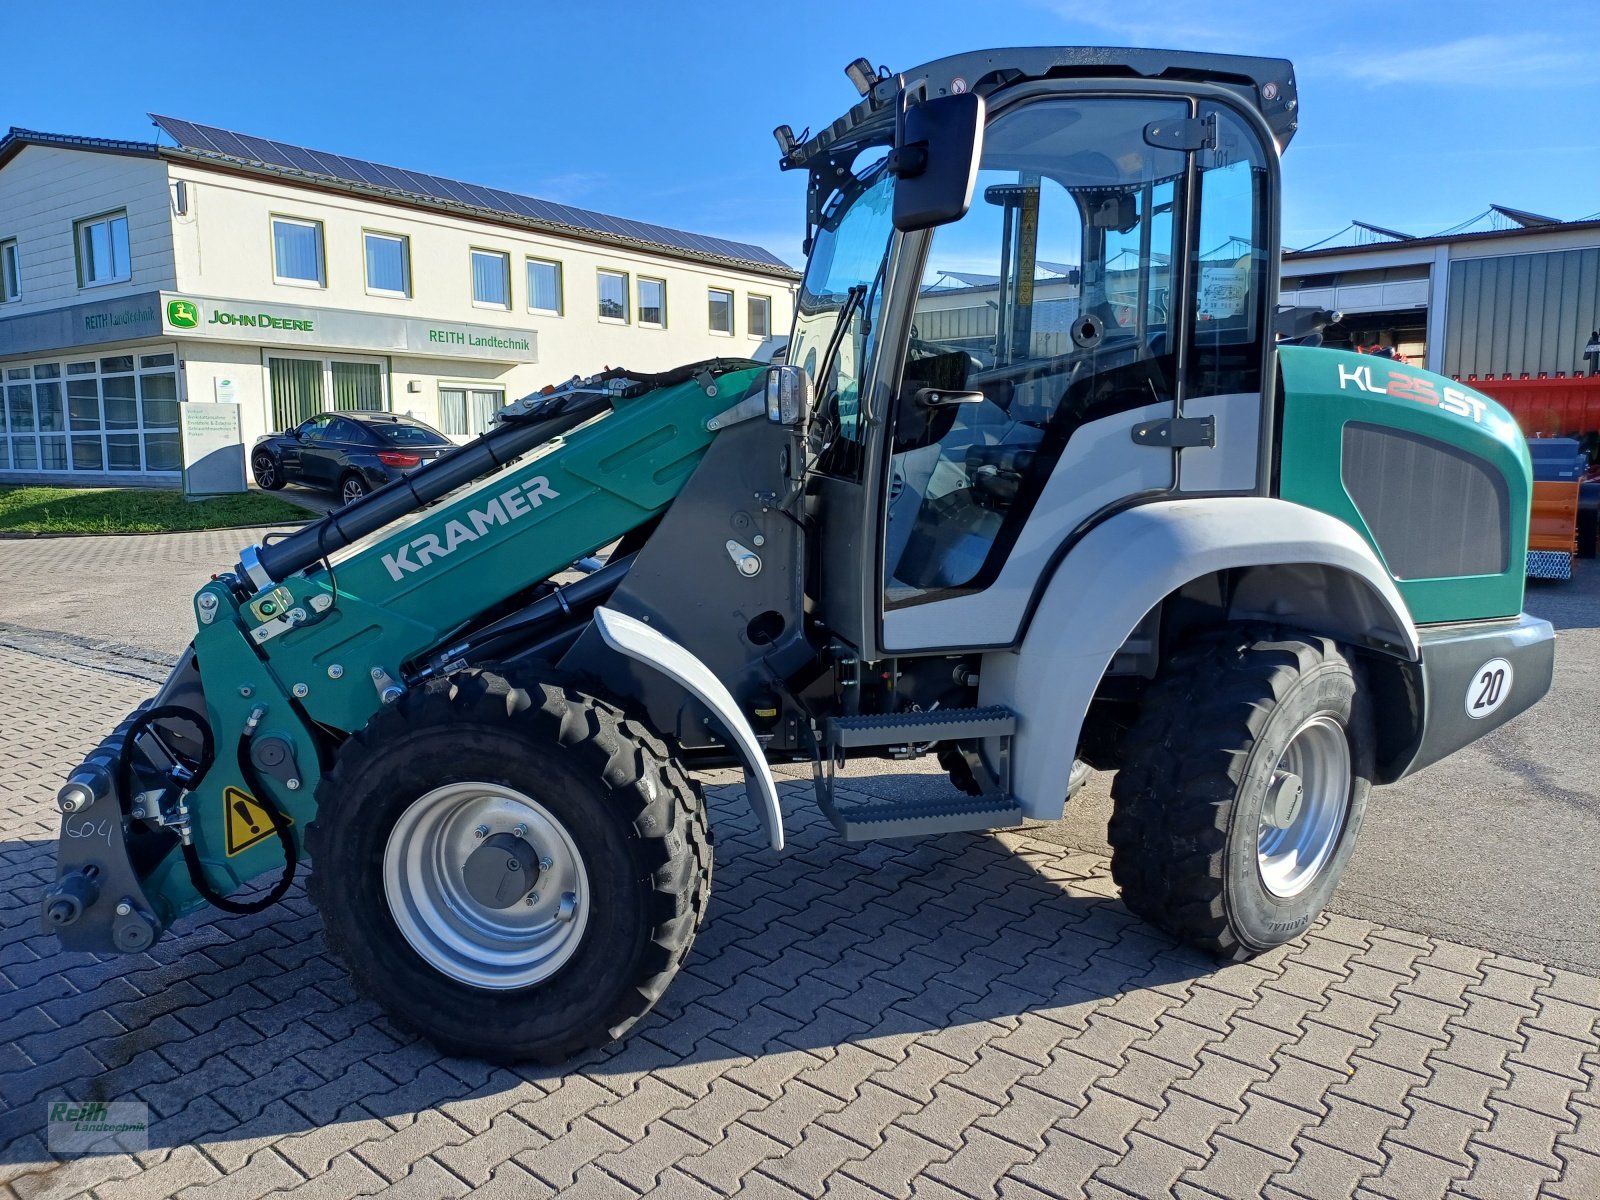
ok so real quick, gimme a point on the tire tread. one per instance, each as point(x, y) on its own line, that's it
point(1184, 762)
point(654, 794)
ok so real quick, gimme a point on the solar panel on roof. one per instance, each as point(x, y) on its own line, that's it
point(208, 139)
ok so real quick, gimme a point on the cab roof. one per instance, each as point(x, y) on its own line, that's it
point(1265, 84)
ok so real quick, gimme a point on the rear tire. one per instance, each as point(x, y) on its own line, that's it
point(598, 790)
point(267, 471)
point(1247, 776)
point(351, 488)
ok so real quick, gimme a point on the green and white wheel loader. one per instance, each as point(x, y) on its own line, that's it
point(1045, 480)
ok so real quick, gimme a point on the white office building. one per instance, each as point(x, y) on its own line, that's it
point(136, 278)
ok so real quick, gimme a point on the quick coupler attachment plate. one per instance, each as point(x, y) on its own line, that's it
point(97, 903)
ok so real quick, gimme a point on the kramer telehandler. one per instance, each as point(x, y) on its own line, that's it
point(1043, 481)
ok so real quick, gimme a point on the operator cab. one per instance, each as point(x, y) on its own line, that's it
point(1069, 338)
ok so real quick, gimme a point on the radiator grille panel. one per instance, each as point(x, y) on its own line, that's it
point(1437, 512)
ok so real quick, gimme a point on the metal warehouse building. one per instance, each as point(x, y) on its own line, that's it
point(1508, 293)
point(225, 269)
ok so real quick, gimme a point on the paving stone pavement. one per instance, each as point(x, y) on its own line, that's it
point(965, 1016)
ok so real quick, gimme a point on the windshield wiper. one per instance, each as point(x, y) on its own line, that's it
point(852, 301)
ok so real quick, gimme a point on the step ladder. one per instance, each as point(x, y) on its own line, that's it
point(995, 809)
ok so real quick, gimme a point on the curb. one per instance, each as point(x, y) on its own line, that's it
point(14, 536)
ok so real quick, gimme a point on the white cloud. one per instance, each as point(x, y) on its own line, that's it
point(571, 187)
point(1152, 23)
point(1468, 61)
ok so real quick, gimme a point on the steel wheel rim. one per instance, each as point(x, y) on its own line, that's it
point(353, 490)
point(265, 471)
point(1295, 840)
point(484, 947)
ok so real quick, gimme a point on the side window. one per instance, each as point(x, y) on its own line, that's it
point(1050, 303)
point(316, 429)
point(341, 430)
point(1230, 261)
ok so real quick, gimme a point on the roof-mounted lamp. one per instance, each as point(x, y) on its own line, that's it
point(863, 75)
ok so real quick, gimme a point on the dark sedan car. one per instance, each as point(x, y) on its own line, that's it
point(350, 453)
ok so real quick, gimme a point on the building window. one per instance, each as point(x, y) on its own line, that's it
point(464, 410)
point(112, 414)
point(758, 310)
point(301, 387)
point(297, 252)
point(544, 287)
point(613, 296)
point(653, 302)
point(10, 272)
point(388, 264)
point(491, 279)
point(103, 250)
point(721, 311)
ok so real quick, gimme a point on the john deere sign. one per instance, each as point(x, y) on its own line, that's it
point(251, 320)
point(280, 324)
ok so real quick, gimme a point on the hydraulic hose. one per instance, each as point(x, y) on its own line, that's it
point(144, 720)
point(280, 826)
point(247, 771)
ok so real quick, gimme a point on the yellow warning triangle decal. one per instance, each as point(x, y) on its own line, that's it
point(247, 821)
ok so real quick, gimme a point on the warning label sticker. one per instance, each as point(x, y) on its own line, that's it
point(248, 822)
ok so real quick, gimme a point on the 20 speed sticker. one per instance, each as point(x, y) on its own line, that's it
point(1491, 684)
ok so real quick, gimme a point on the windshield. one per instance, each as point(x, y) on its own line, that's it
point(849, 252)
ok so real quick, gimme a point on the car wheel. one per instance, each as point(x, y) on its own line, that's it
point(264, 467)
point(352, 488)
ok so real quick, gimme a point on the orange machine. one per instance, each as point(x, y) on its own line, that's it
point(1553, 531)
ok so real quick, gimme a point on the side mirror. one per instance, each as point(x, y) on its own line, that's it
point(788, 396)
point(935, 161)
point(1291, 323)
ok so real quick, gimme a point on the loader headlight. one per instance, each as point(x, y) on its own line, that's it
point(788, 395)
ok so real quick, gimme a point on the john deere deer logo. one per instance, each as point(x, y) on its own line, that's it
point(182, 314)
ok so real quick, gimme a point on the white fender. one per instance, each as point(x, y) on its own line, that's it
point(1126, 565)
point(633, 638)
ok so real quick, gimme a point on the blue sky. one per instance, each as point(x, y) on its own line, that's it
point(1414, 116)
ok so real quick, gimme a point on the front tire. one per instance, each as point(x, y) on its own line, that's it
point(268, 474)
point(595, 844)
point(1246, 778)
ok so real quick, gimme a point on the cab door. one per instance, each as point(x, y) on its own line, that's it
point(1048, 313)
point(1100, 315)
